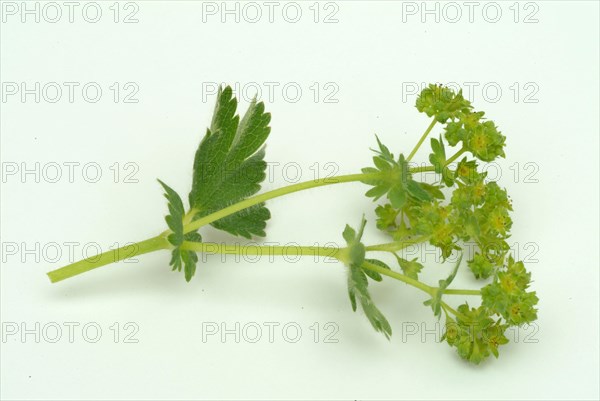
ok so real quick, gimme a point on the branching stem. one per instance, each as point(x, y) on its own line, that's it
point(160, 242)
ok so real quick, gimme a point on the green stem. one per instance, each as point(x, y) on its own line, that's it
point(422, 169)
point(398, 245)
point(193, 226)
point(390, 273)
point(456, 313)
point(196, 224)
point(462, 292)
point(260, 250)
point(114, 255)
point(294, 250)
point(421, 140)
point(456, 156)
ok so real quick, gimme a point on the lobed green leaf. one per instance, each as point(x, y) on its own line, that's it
point(229, 166)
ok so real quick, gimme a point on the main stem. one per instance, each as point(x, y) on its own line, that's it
point(112, 256)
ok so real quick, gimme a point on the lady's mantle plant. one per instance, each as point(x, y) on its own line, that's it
point(460, 207)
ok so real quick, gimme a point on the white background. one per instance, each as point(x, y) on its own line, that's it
point(372, 58)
